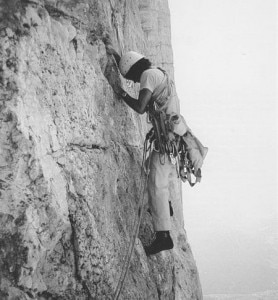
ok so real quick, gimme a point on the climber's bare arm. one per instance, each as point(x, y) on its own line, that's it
point(140, 104)
point(115, 54)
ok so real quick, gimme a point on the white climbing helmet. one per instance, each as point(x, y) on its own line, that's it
point(128, 60)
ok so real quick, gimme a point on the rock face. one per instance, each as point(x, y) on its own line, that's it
point(71, 151)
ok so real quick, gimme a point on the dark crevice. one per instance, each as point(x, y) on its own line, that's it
point(89, 147)
point(36, 2)
point(76, 258)
point(85, 287)
point(159, 293)
point(74, 247)
point(46, 295)
point(74, 42)
point(173, 281)
point(56, 13)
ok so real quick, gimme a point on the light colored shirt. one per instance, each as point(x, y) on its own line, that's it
point(152, 79)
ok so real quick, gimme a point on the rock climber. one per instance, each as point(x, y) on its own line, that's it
point(136, 67)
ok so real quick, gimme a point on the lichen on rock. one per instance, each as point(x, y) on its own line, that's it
point(71, 151)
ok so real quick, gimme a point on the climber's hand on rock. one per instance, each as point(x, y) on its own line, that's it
point(111, 51)
point(107, 39)
point(118, 90)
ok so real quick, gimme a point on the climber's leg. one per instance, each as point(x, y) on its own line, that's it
point(158, 188)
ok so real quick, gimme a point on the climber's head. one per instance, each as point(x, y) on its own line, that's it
point(132, 65)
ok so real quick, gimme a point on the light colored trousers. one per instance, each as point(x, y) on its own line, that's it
point(158, 189)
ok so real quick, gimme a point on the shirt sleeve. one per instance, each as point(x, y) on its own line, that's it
point(148, 81)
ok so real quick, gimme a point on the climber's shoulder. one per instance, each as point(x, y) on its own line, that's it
point(151, 78)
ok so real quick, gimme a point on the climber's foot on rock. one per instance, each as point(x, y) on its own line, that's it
point(162, 241)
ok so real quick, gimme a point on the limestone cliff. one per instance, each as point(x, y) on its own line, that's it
point(71, 151)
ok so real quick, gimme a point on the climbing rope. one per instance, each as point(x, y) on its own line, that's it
point(137, 220)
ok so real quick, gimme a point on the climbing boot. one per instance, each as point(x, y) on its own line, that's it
point(162, 241)
point(171, 209)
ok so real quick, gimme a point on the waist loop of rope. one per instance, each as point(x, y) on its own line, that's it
point(137, 222)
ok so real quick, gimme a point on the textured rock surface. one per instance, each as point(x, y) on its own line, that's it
point(70, 154)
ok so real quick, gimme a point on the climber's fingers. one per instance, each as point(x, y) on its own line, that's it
point(107, 39)
point(110, 50)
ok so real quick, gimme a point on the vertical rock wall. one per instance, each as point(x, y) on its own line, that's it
point(70, 154)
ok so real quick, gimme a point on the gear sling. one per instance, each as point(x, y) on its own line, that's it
point(170, 136)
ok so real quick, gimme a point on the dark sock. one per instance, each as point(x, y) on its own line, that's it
point(171, 209)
